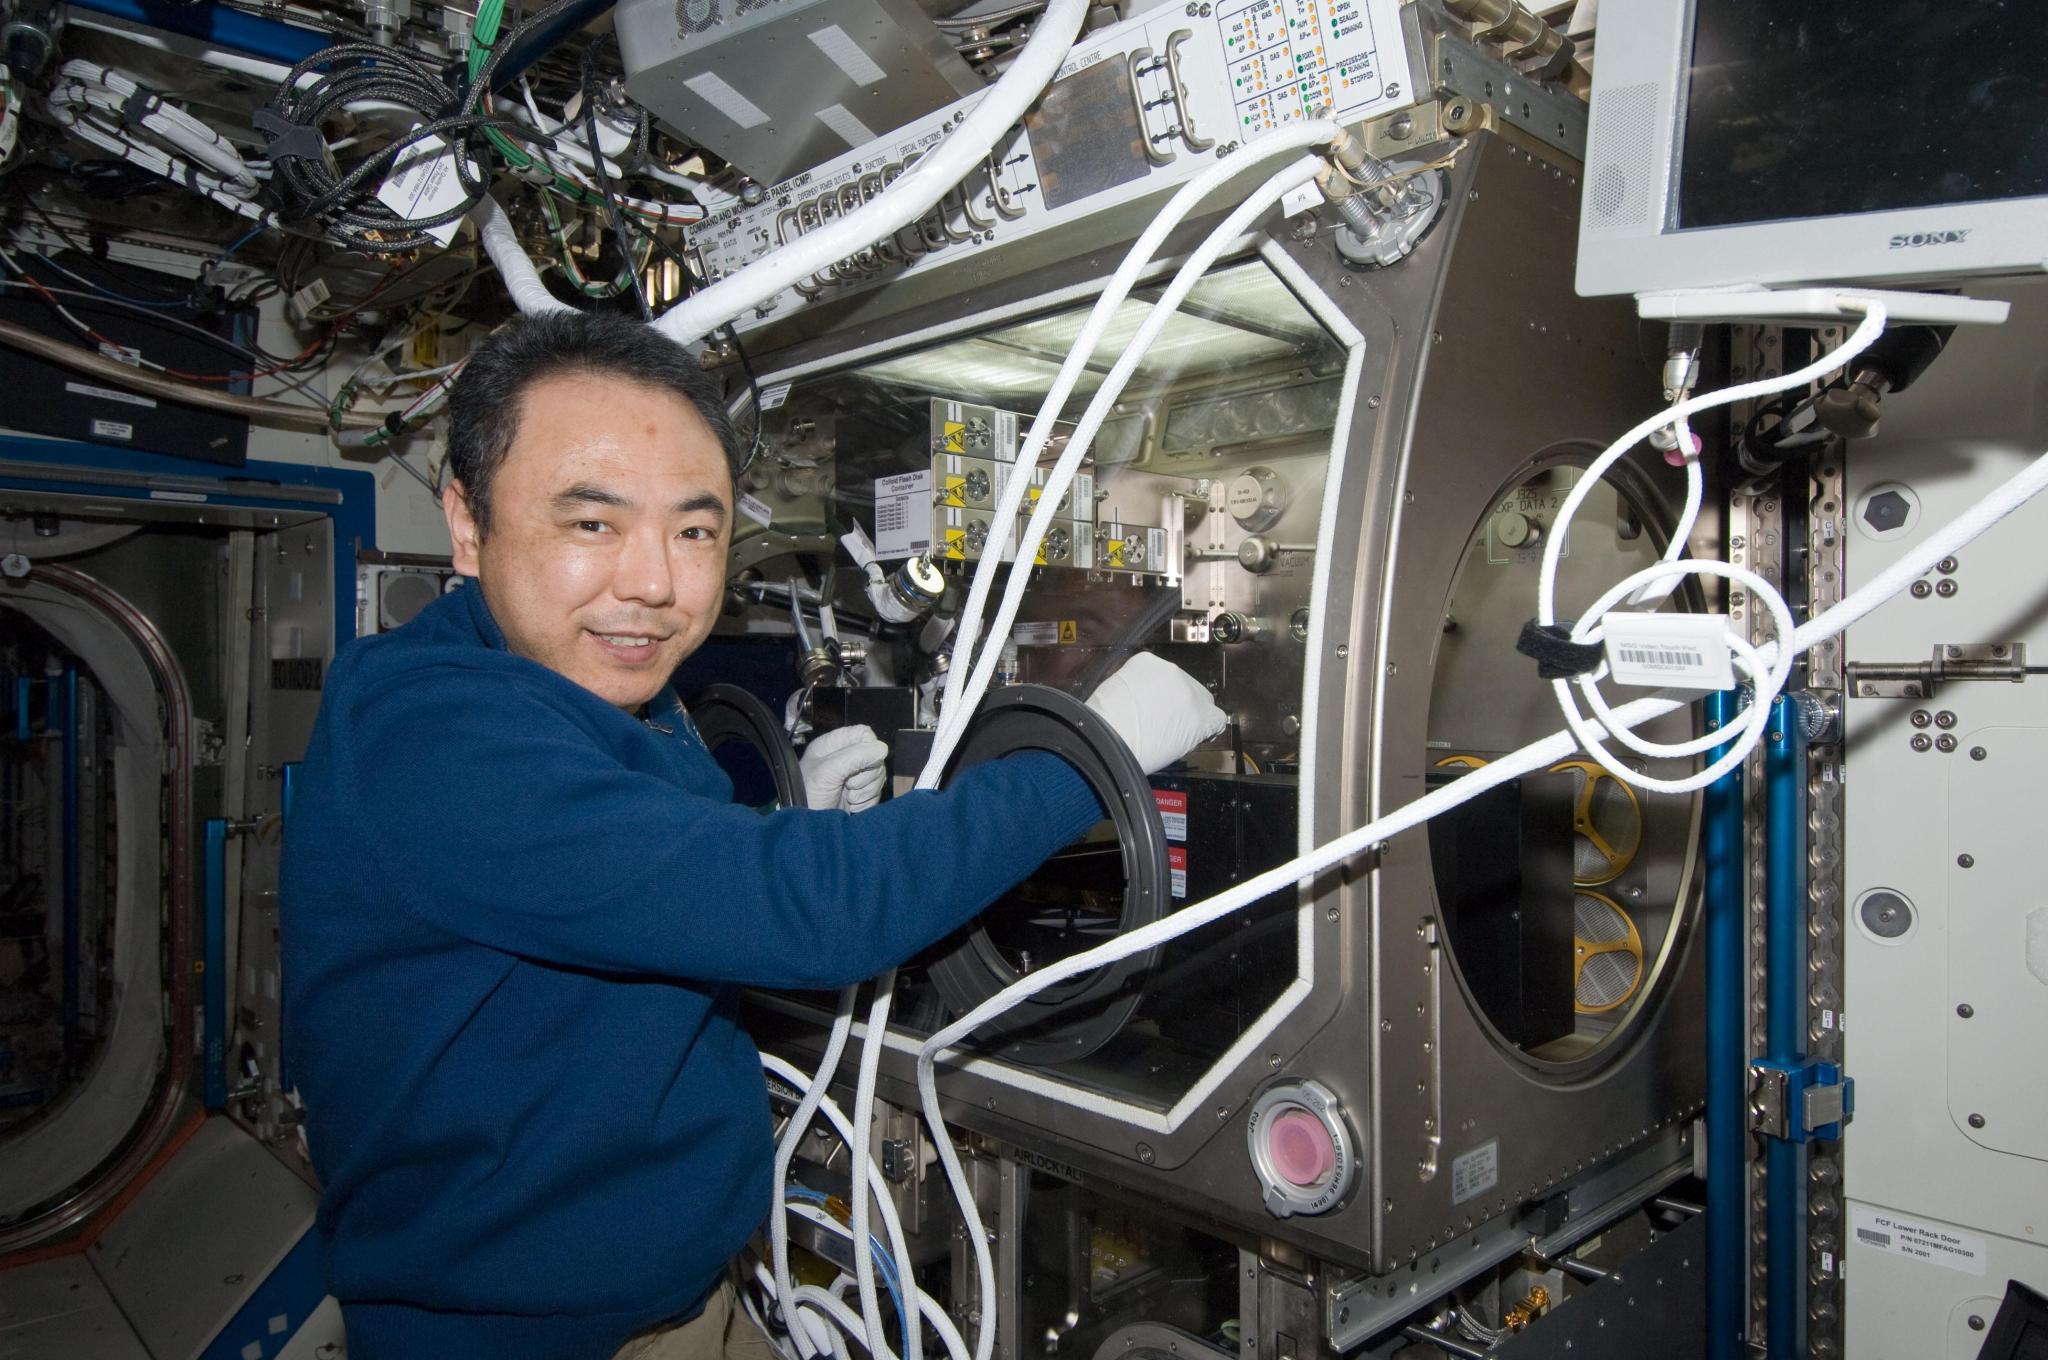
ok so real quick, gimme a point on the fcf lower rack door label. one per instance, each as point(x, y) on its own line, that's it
point(1916, 1239)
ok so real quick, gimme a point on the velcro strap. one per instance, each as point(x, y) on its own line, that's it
point(288, 139)
point(1557, 656)
point(139, 105)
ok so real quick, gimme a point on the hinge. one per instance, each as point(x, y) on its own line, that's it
point(1951, 661)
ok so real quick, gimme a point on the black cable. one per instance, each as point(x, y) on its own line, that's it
point(612, 213)
point(343, 203)
point(272, 366)
point(753, 397)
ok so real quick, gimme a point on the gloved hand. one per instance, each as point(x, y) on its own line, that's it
point(1160, 711)
point(843, 769)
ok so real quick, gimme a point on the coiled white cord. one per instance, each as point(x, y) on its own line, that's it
point(1767, 674)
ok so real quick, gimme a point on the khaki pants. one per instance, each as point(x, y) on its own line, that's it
point(723, 1331)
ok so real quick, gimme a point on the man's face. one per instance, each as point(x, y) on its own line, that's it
point(605, 560)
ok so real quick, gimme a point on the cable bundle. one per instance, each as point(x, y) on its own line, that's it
point(343, 203)
point(108, 110)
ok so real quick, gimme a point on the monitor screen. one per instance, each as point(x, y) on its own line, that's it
point(1819, 108)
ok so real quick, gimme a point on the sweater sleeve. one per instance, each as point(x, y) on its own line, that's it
point(554, 850)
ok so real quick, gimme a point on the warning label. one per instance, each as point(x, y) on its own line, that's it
point(1173, 812)
point(1917, 1239)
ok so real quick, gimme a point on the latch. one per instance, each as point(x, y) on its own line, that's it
point(1800, 1102)
point(1951, 661)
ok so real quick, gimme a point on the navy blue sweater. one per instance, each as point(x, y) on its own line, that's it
point(514, 917)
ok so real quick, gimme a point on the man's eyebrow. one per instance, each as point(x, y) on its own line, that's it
point(583, 493)
point(709, 501)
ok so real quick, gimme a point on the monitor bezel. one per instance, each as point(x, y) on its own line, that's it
point(1649, 42)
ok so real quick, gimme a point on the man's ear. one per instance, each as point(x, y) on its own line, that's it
point(463, 532)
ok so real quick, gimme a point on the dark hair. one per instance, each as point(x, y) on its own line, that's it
point(483, 407)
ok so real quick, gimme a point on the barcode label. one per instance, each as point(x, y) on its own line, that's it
point(1668, 650)
point(1917, 1239)
point(1661, 658)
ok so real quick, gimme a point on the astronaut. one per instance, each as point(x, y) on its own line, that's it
point(519, 901)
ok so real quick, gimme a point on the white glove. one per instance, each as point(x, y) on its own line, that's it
point(843, 769)
point(1160, 711)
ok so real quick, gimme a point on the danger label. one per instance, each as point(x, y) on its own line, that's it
point(1916, 1239)
point(1177, 865)
point(1173, 812)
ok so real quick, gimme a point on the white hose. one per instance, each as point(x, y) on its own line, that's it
point(896, 207)
point(959, 696)
point(501, 243)
point(892, 1224)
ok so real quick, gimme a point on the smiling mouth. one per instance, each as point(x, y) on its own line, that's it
point(628, 646)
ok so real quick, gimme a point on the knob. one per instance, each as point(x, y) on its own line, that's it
point(1257, 498)
point(1513, 529)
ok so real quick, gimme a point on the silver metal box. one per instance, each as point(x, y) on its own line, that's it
point(778, 86)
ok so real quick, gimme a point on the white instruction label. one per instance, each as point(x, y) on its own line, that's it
point(774, 396)
point(110, 394)
point(756, 509)
point(1475, 1172)
point(1006, 436)
point(1917, 1239)
point(423, 183)
point(122, 354)
point(1669, 651)
point(903, 515)
point(112, 429)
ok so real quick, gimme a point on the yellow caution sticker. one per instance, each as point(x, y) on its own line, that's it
point(956, 544)
point(953, 437)
point(1069, 631)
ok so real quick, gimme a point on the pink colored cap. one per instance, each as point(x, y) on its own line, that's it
point(1300, 1147)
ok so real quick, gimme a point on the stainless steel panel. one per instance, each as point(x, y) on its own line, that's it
point(202, 1235)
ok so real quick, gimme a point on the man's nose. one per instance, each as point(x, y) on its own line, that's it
point(643, 572)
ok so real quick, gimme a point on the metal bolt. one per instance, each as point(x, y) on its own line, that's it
point(1977, 753)
point(1921, 590)
point(1921, 741)
point(1145, 1153)
point(1945, 566)
point(1966, 861)
point(1921, 717)
point(1945, 719)
point(1966, 1010)
point(1976, 1121)
point(1998, 649)
point(1945, 743)
point(1976, 1322)
point(1955, 653)
point(1946, 588)
point(1372, 403)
